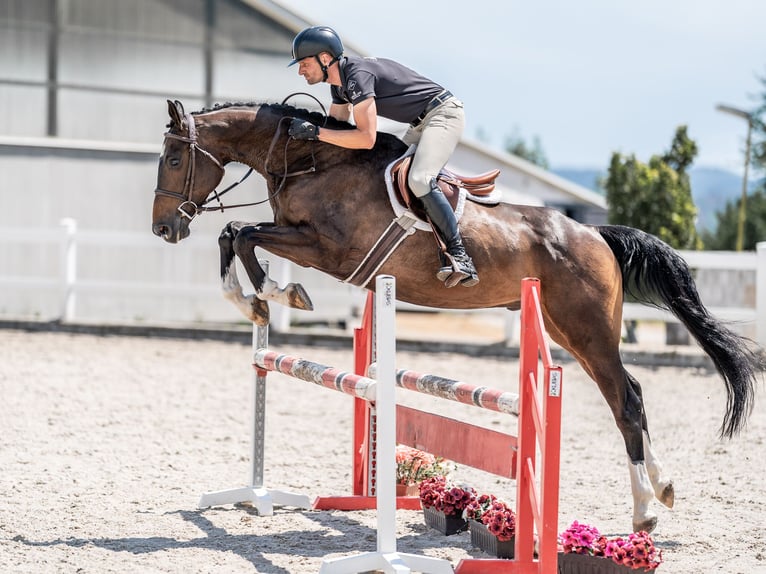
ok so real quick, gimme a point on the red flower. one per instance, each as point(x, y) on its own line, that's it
point(500, 520)
point(450, 499)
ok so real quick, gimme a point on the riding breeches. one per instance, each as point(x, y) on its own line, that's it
point(436, 138)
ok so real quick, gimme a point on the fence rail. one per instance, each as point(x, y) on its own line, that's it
point(65, 281)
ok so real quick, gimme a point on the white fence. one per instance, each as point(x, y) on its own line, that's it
point(65, 274)
point(128, 277)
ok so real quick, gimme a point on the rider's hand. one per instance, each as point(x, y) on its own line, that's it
point(303, 130)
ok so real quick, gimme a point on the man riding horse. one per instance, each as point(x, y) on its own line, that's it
point(369, 87)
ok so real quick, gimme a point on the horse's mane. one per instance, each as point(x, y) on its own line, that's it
point(284, 110)
point(386, 143)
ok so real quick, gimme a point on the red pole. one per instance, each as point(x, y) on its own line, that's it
point(527, 436)
point(360, 448)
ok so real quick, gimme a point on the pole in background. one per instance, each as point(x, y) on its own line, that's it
point(748, 117)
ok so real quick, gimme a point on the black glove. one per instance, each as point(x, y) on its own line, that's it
point(303, 130)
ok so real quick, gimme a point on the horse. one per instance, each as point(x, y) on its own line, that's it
point(331, 205)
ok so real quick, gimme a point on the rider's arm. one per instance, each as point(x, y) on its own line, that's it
point(340, 112)
point(363, 135)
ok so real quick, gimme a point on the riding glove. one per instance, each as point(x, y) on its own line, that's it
point(303, 130)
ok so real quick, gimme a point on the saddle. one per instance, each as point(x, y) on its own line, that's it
point(480, 186)
point(409, 214)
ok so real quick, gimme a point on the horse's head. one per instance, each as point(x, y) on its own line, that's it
point(187, 175)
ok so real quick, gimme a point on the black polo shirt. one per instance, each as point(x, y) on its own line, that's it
point(400, 93)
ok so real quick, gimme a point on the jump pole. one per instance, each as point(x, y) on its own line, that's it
point(262, 499)
point(490, 450)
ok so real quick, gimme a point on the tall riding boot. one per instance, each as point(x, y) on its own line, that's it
point(443, 218)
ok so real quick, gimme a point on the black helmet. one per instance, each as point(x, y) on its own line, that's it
point(315, 40)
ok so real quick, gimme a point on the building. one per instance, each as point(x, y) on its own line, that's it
point(83, 85)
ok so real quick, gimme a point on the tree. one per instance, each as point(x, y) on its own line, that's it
point(656, 196)
point(534, 153)
point(758, 157)
point(725, 236)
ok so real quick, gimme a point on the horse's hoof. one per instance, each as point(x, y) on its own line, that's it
point(646, 525)
point(668, 495)
point(298, 298)
point(260, 314)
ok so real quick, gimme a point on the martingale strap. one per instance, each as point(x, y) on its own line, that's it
point(386, 244)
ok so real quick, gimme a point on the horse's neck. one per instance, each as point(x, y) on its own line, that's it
point(236, 136)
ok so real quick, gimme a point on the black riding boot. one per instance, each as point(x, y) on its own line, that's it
point(443, 219)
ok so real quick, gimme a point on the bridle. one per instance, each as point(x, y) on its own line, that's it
point(185, 197)
point(187, 208)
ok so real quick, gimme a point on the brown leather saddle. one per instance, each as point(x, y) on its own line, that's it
point(449, 182)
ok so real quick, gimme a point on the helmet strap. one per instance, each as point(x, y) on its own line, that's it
point(324, 68)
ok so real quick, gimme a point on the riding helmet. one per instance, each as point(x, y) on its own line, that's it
point(315, 40)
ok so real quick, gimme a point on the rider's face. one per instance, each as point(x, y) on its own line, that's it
point(310, 69)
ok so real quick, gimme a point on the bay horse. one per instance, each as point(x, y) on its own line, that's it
point(331, 205)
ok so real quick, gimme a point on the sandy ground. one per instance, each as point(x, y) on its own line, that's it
point(108, 442)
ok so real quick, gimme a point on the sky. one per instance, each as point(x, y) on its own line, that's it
point(587, 78)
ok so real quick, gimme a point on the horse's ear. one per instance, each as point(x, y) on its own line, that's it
point(176, 112)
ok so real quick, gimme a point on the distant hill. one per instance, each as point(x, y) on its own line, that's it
point(712, 189)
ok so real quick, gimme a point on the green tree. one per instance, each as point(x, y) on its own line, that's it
point(758, 154)
point(725, 235)
point(724, 238)
point(517, 145)
point(655, 196)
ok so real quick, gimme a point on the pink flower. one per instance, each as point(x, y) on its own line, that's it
point(413, 465)
point(637, 551)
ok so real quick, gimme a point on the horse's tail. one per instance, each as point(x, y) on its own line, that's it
point(653, 273)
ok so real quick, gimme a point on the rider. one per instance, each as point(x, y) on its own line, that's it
point(368, 87)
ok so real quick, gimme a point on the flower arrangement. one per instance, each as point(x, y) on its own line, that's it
point(499, 519)
point(413, 465)
point(637, 551)
point(478, 507)
point(451, 499)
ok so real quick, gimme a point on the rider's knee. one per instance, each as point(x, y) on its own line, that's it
point(420, 183)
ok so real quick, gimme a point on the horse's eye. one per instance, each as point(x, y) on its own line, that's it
point(174, 162)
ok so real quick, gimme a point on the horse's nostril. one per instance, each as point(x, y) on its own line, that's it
point(160, 230)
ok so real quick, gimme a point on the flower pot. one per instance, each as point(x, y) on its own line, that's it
point(586, 564)
point(483, 539)
point(407, 490)
point(448, 525)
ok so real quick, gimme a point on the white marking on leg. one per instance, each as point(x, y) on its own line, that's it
point(641, 487)
point(270, 290)
point(654, 468)
point(232, 291)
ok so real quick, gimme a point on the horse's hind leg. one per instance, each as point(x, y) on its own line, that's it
point(598, 353)
point(623, 394)
point(663, 487)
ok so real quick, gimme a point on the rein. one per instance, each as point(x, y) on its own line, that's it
point(185, 196)
point(285, 174)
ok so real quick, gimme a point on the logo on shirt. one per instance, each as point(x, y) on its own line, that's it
point(352, 85)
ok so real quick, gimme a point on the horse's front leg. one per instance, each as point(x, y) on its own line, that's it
point(240, 239)
point(255, 309)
